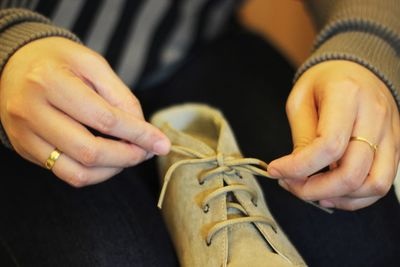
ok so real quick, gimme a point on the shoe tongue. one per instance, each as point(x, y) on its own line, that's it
point(226, 143)
point(183, 139)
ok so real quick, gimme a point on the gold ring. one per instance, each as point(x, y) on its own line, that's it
point(51, 160)
point(374, 147)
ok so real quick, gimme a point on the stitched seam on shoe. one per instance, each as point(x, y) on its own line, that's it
point(278, 250)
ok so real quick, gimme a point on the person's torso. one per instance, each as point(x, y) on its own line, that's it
point(143, 40)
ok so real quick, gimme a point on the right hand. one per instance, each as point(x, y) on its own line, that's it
point(52, 90)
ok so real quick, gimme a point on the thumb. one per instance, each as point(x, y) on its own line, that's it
point(301, 110)
point(302, 114)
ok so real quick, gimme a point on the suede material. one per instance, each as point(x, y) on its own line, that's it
point(248, 244)
point(185, 219)
point(242, 246)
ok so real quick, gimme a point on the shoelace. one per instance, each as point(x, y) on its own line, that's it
point(230, 166)
point(226, 165)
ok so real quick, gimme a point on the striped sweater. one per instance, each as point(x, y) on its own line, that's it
point(146, 40)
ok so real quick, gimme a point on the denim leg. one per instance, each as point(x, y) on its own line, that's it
point(45, 222)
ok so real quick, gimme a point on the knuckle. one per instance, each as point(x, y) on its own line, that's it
point(350, 183)
point(290, 106)
point(380, 187)
point(96, 57)
point(14, 109)
point(134, 103)
point(141, 136)
point(381, 109)
point(16, 137)
point(40, 75)
point(19, 149)
point(356, 174)
point(106, 121)
point(349, 85)
point(79, 179)
point(103, 61)
point(128, 102)
point(334, 146)
point(88, 155)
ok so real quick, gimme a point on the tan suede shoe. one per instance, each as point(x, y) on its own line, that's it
point(212, 204)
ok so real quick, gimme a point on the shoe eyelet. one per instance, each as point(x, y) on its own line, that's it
point(208, 243)
point(254, 202)
point(201, 182)
point(206, 208)
point(237, 173)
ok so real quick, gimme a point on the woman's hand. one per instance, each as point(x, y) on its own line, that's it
point(52, 90)
point(329, 104)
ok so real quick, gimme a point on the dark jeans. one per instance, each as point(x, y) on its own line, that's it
point(44, 222)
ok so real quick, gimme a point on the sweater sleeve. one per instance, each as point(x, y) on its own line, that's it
point(17, 28)
point(363, 31)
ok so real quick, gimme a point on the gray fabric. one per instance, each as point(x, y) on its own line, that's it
point(141, 34)
point(363, 31)
point(67, 13)
point(103, 28)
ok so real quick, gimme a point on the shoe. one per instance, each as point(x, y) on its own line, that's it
point(213, 207)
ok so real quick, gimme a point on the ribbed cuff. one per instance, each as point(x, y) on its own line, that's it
point(17, 35)
point(369, 50)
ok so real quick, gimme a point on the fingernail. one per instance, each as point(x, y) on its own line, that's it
point(274, 173)
point(161, 147)
point(327, 203)
point(283, 184)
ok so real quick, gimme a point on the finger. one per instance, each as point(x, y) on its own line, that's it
point(303, 119)
point(66, 168)
point(21, 149)
point(354, 166)
point(383, 171)
point(98, 73)
point(336, 119)
point(349, 204)
point(72, 96)
point(348, 177)
point(302, 114)
point(76, 141)
point(395, 124)
point(18, 136)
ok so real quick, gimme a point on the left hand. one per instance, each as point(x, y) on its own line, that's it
point(330, 103)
